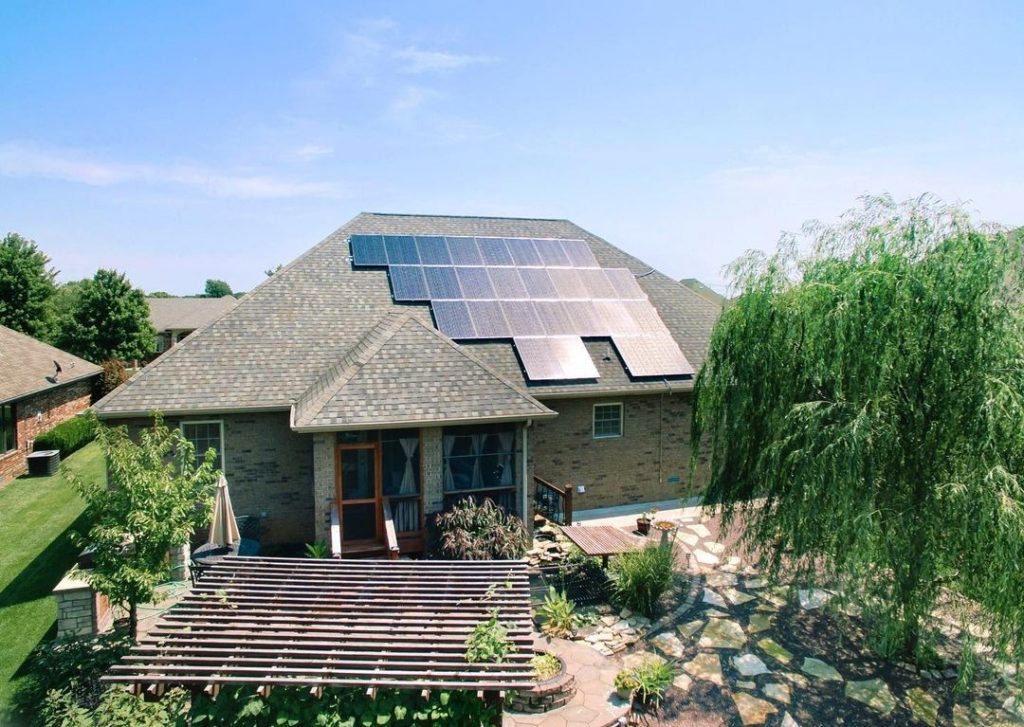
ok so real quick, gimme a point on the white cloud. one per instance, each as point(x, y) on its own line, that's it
point(409, 99)
point(19, 159)
point(417, 61)
point(308, 152)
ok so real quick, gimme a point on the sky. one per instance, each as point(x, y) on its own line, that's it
point(183, 141)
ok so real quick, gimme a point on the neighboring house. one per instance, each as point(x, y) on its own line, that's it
point(34, 397)
point(389, 369)
point(175, 318)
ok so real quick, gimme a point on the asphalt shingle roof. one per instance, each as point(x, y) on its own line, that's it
point(187, 314)
point(26, 364)
point(404, 371)
point(284, 335)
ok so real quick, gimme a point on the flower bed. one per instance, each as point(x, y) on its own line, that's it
point(551, 693)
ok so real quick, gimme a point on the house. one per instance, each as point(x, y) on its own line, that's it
point(40, 386)
point(175, 318)
point(407, 361)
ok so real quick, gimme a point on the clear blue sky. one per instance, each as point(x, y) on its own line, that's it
point(193, 140)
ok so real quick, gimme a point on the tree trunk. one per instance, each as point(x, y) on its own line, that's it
point(133, 621)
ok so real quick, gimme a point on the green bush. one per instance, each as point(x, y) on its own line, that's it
point(292, 706)
point(68, 436)
point(489, 642)
point(652, 679)
point(642, 576)
point(471, 531)
point(558, 613)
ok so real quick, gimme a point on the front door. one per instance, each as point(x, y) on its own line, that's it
point(357, 489)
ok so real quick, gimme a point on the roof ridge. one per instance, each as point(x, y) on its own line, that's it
point(470, 217)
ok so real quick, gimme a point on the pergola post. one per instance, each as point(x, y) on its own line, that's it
point(492, 698)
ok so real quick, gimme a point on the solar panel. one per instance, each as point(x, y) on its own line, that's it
point(442, 283)
point(401, 250)
point(524, 252)
point(408, 283)
point(494, 251)
point(546, 293)
point(367, 250)
point(433, 251)
point(488, 319)
point(538, 283)
point(554, 358)
point(452, 319)
point(464, 251)
point(552, 253)
point(652, 354)
point(508, 285)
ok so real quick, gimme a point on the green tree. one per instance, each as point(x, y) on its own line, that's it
point(216, 289)
point(26, 285)
point(157, 496)
point(863, 405)
point(110, 320)
point(61, 308)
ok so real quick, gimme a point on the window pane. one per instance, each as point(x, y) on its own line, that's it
point(204, 436)
point(479, 457)
point(357, 474)
point(400, 466)
point(607, 420)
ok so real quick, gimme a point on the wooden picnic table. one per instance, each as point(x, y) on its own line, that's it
point(602, 540)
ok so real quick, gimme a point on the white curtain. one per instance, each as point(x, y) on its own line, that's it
point(408, 486)
point(449, 478)
point(507, 440)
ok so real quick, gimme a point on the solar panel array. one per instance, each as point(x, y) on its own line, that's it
point(544, 294)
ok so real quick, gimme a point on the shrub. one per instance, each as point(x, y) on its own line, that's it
point(73, 665)
point(558, 613)
point(489, 642)
point(318, 550)
point(652, 678)
point(68, 436)
point(471, 531)
point(642, 576)
point(114, 374)
point(545, 665)
point(625, 681)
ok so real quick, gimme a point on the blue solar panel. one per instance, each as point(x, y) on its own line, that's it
point(433, 251)
point(568, 284)
point(580, 254)
point(524, 252)
point(488, 319)
point(538, 283)
point(475, 283)
point(522, 317)
point(367, 250)
point(401, 250)
point(408, 283)
point(508, 284)
point(552, 253)
point(555, 318)
point(464, 251)
point(452, 318)
point(494, 251)
point(442, 283)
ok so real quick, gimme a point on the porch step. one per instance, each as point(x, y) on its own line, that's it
point(364, 550)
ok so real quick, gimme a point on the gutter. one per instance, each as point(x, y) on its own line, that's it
point(409, 424)
point(51, 387)
point(187, 412)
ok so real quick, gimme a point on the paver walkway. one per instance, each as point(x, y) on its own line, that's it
point(595, 703)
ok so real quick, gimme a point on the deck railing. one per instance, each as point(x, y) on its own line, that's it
point(335, 531)
point(553, 502)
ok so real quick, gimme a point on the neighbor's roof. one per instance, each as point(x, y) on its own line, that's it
point(405, 372)
point(287, 333)
point(187, 314)
point(26, 366)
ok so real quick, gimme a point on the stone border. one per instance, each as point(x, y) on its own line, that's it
point(552, 693)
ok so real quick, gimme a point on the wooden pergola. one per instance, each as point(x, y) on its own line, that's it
point(337, 623)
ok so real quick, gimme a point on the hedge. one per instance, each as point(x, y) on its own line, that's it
point(68, 436)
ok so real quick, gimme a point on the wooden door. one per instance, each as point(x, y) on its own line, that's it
point(358, 492)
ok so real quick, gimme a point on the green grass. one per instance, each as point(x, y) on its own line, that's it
point(36, 515)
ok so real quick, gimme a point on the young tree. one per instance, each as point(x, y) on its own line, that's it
point(109, 320)
point(216, 289)
point(863, 407)
point(26, 285)
point(156, 497)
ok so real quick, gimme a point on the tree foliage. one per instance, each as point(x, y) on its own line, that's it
point(109, 320)
point(863, 404)
point(156, 497)
point(216, 289)
point(481, 531)
point(26, 285)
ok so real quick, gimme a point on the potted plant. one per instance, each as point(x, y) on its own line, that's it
point(625, 684)
point(643, 523)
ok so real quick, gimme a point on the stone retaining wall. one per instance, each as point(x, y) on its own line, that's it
point(547, 695)
point(81, 611)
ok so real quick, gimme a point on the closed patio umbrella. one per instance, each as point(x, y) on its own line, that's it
point(223, 528)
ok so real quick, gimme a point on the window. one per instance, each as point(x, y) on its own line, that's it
point(607, 421)
point(8, 429)
point(480, 459)
point(205, 436)
point(400, 476)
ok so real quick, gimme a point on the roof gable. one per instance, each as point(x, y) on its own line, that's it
point(405, 372)
point(187, 314)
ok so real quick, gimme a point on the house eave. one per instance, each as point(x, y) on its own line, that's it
point(135, 413)
point(50, 387)
point(407, 424)
point(669, 387)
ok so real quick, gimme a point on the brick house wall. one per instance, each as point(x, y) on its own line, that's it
point(269, 469)
point(39, 413)
point(648, 463)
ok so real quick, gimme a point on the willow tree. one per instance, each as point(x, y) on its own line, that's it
point(863, 402)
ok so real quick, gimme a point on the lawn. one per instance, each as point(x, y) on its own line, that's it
point(36, 515)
